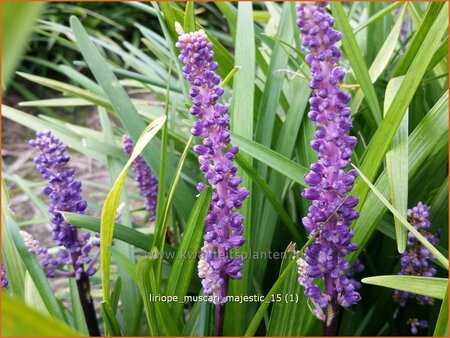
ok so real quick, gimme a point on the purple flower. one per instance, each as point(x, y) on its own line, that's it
point(64, 192)
point(415, 323)
point(145, 180)
point(5, 282)
point(332, 210)
point(415, 260)
point(224, 225)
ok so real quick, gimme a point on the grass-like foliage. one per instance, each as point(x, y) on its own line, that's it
point(93, 72)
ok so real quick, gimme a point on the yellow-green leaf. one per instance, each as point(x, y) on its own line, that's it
point(112, 202)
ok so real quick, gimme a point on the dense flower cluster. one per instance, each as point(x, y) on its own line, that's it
point(5, 282)
point(224, 225)
point(145, 180)
point(415, 261)
point(332, 210)
point(64, 192)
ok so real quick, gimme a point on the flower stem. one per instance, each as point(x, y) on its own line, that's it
point(84, 292)
point(220, 311)
point(330, 326)
point(218, 319)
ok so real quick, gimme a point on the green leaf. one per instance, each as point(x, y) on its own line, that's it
point(112, 201)
point(428, 134)
point(286, 141)
point(185, 260)
point(126, 263)
point(440, 258)
point(200, 319)
point(377, 16)
point(189, 17)
point(162, 201)
point(19, 320)
point(159, 320)
point(79, 321)
point(126, 111)
point(29, 260)
point(383, 136)
point(434, 11)
point(387, 49)
point(15, 33)
point(242, 124)
point(251, 330)
point(64, 134)
point(274, 81)
point(279, 282)
point(11, 259)
point(129, 293)
point(382, 59)
point(290, 316)
point(67, 89)
point(397, 165)
point(441, 329)
point(32, 297)
point(426, 286)
point(115, 294)
point(356, 59)
point(121, 232)
point(278, 162)
point(110, 320)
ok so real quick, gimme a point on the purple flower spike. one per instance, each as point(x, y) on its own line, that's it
point(224, 225)
point(415, 260)
point(64, 192)
point(5, 282)
point(145, 180)
point(331, 212)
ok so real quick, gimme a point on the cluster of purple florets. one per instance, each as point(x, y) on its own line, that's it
point(145, 180)
point(332, 210)
point(416, 260)
point(224, 225)
point(416, 323)
point(64, 192)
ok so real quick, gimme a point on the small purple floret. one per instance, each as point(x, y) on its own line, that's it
point(224, 225)
point(5, 282)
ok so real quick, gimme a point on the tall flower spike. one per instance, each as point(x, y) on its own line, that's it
point(416, 260)
point(145, 180)
point(64, 192)
point(224, 225)
point(331, 211)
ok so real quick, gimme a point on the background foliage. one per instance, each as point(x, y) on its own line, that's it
point(90, 99)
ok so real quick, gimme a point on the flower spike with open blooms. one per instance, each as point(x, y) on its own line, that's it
point(145, 180)
point(64, 192)
point(332, 210)
point(224, 225)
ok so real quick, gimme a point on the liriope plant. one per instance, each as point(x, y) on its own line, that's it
point(338, 110)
